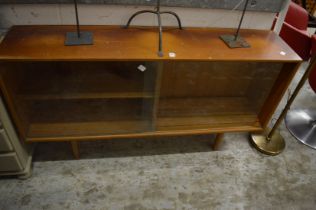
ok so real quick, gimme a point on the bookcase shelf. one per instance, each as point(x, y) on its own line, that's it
point(54, 81)
point(118, 87)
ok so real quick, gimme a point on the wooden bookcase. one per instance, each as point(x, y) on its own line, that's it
point(119, 87)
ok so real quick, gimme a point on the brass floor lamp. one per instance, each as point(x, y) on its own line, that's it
point(271, 142)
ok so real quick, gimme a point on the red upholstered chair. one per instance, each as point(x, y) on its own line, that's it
point(294, 31)
point(312, 80)
point(312, 76)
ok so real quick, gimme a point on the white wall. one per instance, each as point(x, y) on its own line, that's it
point(25, 14)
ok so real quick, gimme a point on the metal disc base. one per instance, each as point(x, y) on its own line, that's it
point(72, 39)
point(274, 146)
point(302, 125)
point(232, 42)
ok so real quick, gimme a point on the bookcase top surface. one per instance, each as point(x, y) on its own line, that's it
point(46, 43)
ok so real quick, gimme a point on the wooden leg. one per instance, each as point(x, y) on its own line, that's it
point(218, 141)
point(75, 149)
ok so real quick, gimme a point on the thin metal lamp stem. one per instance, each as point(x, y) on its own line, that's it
point(78, 37)
point(292, 98)
point(241, 20)
point(235, 41)
point(77, 18)
point(158, 5)
point(269, 141)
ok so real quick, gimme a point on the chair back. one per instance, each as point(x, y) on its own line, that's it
point(297, 16)
point(312, 79)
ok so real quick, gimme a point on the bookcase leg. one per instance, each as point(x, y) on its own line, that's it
point(218, 141)
point(75, 149)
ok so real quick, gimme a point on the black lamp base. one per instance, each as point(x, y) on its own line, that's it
point(72, 39)
point(232, 42)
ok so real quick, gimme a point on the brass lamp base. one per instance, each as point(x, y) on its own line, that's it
point(274, 146)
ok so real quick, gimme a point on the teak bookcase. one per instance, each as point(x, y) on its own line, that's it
point(119, 87)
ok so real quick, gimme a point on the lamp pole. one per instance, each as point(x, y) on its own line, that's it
point(77, 18)
point(79, 37)
point(241, 20)
point(271, 142)
point(235, 41)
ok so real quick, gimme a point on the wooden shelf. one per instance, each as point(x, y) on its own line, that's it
point(86, 80)
point(205, 113)
point(62, 96)
point(123, 129)
point(62, 131)
point(122, 116)
point(46, 43)
point(224, 123)
point(201, 106)
point(95, 110)
point(66, 118)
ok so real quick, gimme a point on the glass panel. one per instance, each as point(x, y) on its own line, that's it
point(69, 99)
point(60, 99)
point(198, 95)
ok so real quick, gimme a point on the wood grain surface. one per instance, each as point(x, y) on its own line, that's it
point(31, 43)
point(205, 88)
